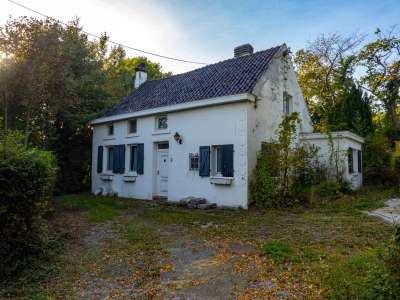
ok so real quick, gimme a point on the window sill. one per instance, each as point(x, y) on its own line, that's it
point(106, 177)
point(130, 177)
point(131, 135)
point(110, 138)
point(163, 131)
point(221, 180)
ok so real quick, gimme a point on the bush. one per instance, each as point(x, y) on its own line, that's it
point(262, 187)
point(26, 181)
point(377, 161)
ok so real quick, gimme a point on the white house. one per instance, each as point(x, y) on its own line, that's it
point(198, 133)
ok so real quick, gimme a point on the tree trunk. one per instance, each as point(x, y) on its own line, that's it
point(27, 127)
point(394, 118)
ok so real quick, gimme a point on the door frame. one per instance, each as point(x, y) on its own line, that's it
point(156, 193)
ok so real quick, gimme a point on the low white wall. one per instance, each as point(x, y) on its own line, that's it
point(217, 125)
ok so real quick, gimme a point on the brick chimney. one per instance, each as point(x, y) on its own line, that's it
point(243, 50)
point(140, 75)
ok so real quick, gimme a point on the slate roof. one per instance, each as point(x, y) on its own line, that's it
point(228, 77)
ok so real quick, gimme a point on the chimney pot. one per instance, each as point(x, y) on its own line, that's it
point(243, 50)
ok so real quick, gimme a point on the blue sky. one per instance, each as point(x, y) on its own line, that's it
point(209, 30)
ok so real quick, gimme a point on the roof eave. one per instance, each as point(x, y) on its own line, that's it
point(177, 107)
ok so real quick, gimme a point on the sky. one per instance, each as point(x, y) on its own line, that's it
point(207, 31)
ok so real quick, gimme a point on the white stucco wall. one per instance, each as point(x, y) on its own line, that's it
point(342, 141)
point(216, 125)
point(264, 119)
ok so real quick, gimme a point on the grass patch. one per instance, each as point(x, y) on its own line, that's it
point(95, 208)
point(279, 251)
point(364, 276)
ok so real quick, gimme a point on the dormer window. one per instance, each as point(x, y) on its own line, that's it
point(132, 126)
point(111, 129)
point(162, 122)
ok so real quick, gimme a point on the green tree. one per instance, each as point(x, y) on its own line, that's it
point(381, 58)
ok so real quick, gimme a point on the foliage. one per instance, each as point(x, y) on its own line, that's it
point(55, 81)
point(285, 171)
point(364, 276)
point(377, 161)
point(381, 58)
point(26, 182)
point(262, 184)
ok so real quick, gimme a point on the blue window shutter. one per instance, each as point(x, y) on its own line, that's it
point(204, 168)
point(116, 160)
point(99, 159)
point(121, 159)
point(140, 158)
point(227, 160)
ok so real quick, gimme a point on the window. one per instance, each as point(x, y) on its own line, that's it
point(163, 146)
point(133, 158)
point(111, 129)
point(287, 101)
point(217, 161)
point(162, 122)
point(193, 161)
point(110, 158)
point(359, 161)
point(132, 126)
point(350, 160)
point(222, 160)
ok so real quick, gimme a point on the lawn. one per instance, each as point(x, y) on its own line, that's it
point(128, 249)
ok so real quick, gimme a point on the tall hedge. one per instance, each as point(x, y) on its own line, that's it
point(26, 182)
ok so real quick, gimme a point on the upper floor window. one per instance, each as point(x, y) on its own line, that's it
point(287, 103)
point(111, 129)
point(162, 122)
point(132, 126)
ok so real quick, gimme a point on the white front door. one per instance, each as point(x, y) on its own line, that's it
point(162, 172)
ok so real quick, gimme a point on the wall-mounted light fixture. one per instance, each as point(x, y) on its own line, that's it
point(178, 138)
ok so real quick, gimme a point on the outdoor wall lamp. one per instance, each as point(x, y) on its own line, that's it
point(178, 138)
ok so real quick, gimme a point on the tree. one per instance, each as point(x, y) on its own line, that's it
point(120, 72)
point(326, 76)
point(381, 58)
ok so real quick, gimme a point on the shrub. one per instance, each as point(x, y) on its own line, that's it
point(262, 188)
point(26, 181)
point(377, 161)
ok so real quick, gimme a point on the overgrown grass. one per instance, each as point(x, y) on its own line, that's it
point(334, 246)
point(364, 276)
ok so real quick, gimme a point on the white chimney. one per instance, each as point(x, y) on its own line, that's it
point(140, 75)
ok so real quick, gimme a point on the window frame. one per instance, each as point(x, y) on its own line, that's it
point(216, 160)
point(194, 161)
point(110, 129)
point(110, 158)
point(130, 126)
point(287, 104)
point(158, 118)
point(133, 158)
point(350, 160)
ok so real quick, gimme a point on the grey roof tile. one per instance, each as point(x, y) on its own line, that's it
point(228, 77)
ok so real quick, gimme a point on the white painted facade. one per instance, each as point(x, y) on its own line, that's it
point(244, 121)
